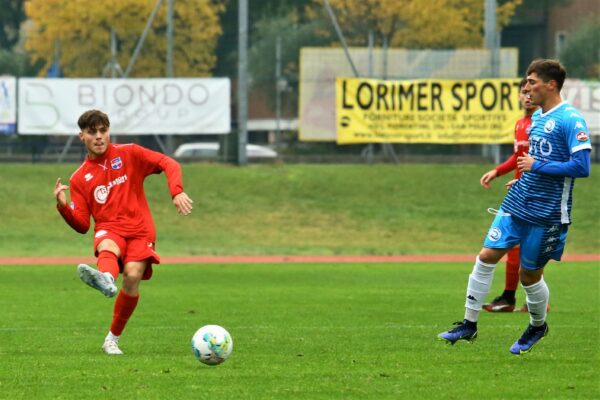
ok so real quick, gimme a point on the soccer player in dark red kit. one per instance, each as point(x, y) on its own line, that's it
point(506, 301)
point(109, 187)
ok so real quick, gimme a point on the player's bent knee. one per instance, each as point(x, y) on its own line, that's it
point(491, 256)
point(109, 245)
point(530, 277)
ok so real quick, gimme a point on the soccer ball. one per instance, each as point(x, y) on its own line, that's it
point(212, 344)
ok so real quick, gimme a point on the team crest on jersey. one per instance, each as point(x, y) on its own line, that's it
point(549, 126)
point(101, 194)
point(116, 163)
point(494, 234)
point(582, 136)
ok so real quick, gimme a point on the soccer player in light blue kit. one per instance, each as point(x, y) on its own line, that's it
point(536, 212)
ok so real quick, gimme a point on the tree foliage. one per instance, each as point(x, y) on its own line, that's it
point(416, 23)
point(11, 16)
point(82, 30)
point(581, 55)
point(294, 34)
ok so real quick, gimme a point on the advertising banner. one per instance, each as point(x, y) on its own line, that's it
point(134, 106)
point(427, 110)
point(585, 97)
point(8, 105)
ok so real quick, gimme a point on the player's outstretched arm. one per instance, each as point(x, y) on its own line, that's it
point(487, 178)
point(59, 193)
point(183, 203)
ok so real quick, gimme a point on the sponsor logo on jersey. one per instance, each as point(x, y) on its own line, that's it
point(540, 145)
point(494, 234)
point(549, 126)
point(553, 228)
point(582, 136)
point(116, 163)
point(551, 239)
point(578, 125)
point(100, 233)
point(101, 194)
point(72, 205)
point(88, 177)
point(574, 115)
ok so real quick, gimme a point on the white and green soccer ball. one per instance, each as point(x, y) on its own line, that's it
point(212, 344)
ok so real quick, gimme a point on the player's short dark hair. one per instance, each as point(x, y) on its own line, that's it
point(523, 83)
point(93, 119)
point(548, 70)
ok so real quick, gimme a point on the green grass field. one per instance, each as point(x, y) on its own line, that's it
point(349, 331)
point(303, 331)
point(292, 209)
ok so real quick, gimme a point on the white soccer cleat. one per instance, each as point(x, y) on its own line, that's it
point(96, 279)
point(111, 347)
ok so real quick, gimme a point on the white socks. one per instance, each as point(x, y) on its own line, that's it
point(537, 299)
point(479, 285)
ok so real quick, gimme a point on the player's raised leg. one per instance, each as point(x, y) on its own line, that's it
point(104, 282)
point(103, 279)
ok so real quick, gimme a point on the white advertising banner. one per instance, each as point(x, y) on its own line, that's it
point(134, 106)
point(584, 96)
point(8, 104)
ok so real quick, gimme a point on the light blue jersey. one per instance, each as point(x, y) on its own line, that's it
point(543, 199)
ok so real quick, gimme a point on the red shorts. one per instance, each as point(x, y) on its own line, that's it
point(132, 249)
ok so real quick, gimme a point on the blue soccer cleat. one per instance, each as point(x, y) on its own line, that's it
point(530, 337)
point(465, 330)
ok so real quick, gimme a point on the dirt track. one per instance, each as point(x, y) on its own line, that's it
point(334, 259)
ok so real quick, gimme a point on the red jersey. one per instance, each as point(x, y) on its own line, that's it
point(110, 189)
point(521, 145)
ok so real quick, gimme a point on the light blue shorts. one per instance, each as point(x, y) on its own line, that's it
point(538, 244)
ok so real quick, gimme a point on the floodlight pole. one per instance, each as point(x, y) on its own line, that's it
point(492, 43)
point(169, 38)
point(242, 89)
point(278, 88)
point(169, 68)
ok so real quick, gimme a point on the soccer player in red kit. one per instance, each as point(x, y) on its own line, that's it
point(506, 301)
point(109, 187)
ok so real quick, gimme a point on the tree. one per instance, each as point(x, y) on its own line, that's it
point(437, 24)
point(227, 48)
point(16, 63)
point(581, 55)
point(81, 29)
point(294, 34)
point(11, 17)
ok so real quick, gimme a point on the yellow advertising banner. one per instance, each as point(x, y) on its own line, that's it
point(427, 110)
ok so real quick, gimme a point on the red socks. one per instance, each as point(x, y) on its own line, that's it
point(124, 307)
point(512, 269)
point(108, 262)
